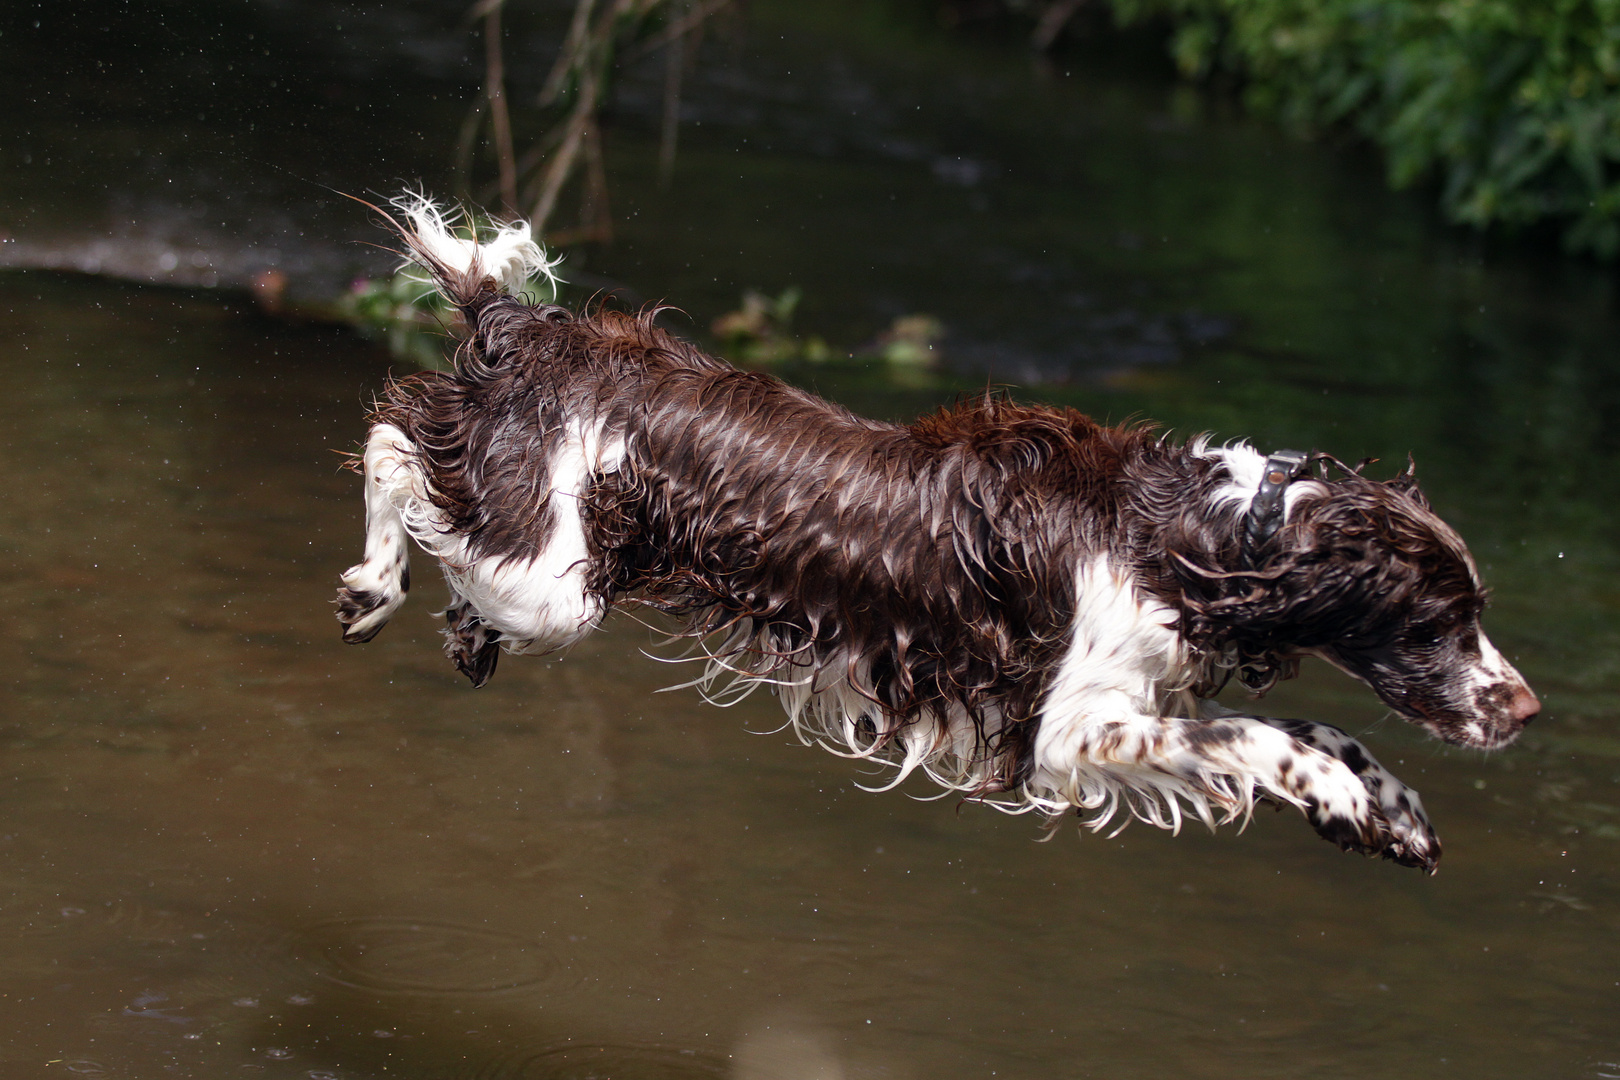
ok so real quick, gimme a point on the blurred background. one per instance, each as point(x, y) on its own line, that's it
point(233, 846)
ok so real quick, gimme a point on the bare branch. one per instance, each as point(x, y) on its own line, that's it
point(1051, 24)
point(669, 130)
point(495, 91)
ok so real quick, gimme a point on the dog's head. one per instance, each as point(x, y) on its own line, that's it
point(1365, 575)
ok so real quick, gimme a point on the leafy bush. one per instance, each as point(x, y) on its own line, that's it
point(407, 314)
point(1513, 105)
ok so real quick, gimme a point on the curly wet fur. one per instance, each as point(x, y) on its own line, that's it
point(1021, 602)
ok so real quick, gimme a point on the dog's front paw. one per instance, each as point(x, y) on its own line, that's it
point(1357, 803)
point(1358, 827)
point(1412, 840)
point(1397, 831)
point(1364, 809)
point(1413, 843)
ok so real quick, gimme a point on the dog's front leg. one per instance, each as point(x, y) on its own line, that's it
point(1227, 763)
point(1412, 839)
point(374, 588)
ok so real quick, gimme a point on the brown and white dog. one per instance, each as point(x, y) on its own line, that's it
point(1028, 607)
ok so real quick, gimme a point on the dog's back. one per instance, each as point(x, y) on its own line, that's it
point(929, 570)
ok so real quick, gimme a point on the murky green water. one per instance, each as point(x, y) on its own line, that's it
point(232, 846)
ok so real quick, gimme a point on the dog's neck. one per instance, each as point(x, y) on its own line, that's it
point(1192, 510)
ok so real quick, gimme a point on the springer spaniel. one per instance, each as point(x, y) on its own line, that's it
point(1031, 608)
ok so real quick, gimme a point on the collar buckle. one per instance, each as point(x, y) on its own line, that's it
point(1265, 515)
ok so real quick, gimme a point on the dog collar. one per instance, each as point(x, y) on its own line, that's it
point(1265, 515)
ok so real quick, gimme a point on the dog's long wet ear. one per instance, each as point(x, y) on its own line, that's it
point(1220, 602)
point(1296, 590)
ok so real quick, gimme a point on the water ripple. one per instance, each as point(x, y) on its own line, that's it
point(603, 1061)
point(417, 956)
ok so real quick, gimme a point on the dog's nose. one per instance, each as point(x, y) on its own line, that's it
point(1523, 706)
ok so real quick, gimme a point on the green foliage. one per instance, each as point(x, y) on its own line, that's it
point(403, 311)
point(909, 348)
point(1513, 105)
point(409, 315)
point(760, 333)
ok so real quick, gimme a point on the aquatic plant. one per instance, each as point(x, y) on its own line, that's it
point(760, 334)
point(413, 320)
point(910, 342)
point(1512, 107)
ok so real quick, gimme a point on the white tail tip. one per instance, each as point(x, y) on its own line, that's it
point(510, 255)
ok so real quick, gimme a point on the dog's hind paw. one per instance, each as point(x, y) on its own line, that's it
point(370, 596)
point(471, 644)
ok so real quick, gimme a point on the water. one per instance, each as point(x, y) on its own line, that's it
point(233, 846)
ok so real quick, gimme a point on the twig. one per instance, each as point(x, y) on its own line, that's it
point(669, 130)
point(1052, 22)
point(569, 56)
point(595, 215)
point(695, 17)
point(495, 90)
point(561, 165)
point(467, 138)
point(578, 82)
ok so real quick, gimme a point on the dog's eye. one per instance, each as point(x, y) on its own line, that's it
point(1433, 632)
point(1425, 637)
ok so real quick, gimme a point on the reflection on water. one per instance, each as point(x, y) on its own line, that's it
point(231, 843)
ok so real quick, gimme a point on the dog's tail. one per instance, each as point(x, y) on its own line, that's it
point(467, 268)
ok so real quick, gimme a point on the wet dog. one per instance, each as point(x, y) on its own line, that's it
point(1026, 606)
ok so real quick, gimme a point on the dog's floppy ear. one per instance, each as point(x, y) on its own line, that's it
point(1239, 614)
point(1252, 597)
point(1319, 578)
point(1218, 600)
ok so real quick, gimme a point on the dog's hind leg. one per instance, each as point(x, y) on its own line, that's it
point(470, 643)
point(540, 602)
point(374, 588)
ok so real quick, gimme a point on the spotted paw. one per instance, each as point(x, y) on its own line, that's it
point(1379, 816)
point(1412, 840)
